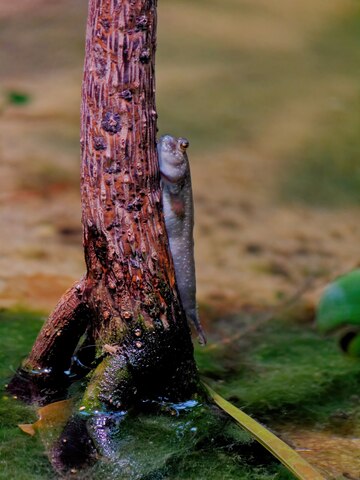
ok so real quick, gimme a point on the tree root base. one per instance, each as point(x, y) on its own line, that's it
point(41, 388)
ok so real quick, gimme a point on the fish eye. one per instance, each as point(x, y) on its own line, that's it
point(183, 144)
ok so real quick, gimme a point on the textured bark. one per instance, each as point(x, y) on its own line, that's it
point(128, 301)
point(58, 338)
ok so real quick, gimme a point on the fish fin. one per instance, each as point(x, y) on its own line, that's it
point(27, 428)
point(177, 205)
point(194, 318)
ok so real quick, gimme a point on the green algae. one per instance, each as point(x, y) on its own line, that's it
point(281, 373)
point(287, 372)
point(21, 457)
point(197, 444)
point(91, 397)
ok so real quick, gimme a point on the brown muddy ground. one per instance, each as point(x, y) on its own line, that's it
point(251, 248)
point(251, 83)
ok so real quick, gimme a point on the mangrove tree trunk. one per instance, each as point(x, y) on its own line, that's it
point(127, 304)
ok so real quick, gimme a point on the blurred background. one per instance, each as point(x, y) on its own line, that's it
point(267, 93)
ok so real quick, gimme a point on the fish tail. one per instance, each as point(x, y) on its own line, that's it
point(194, 318)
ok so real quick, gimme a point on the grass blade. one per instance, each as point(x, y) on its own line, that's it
point(286, 455)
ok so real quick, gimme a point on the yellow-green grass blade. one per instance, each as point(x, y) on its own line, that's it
point(286, 455)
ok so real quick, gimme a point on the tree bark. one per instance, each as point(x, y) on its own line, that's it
point(127, 303)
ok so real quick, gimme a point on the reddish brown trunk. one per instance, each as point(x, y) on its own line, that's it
point(124, 235)
point(128, 300)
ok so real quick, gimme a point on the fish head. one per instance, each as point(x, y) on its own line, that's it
point(173, 160)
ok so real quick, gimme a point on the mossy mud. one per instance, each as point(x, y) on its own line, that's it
point(284, 374)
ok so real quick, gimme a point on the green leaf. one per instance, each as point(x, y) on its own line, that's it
point(286, 455)
point(353, 348)
point(15, 97)
point(340, 303)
